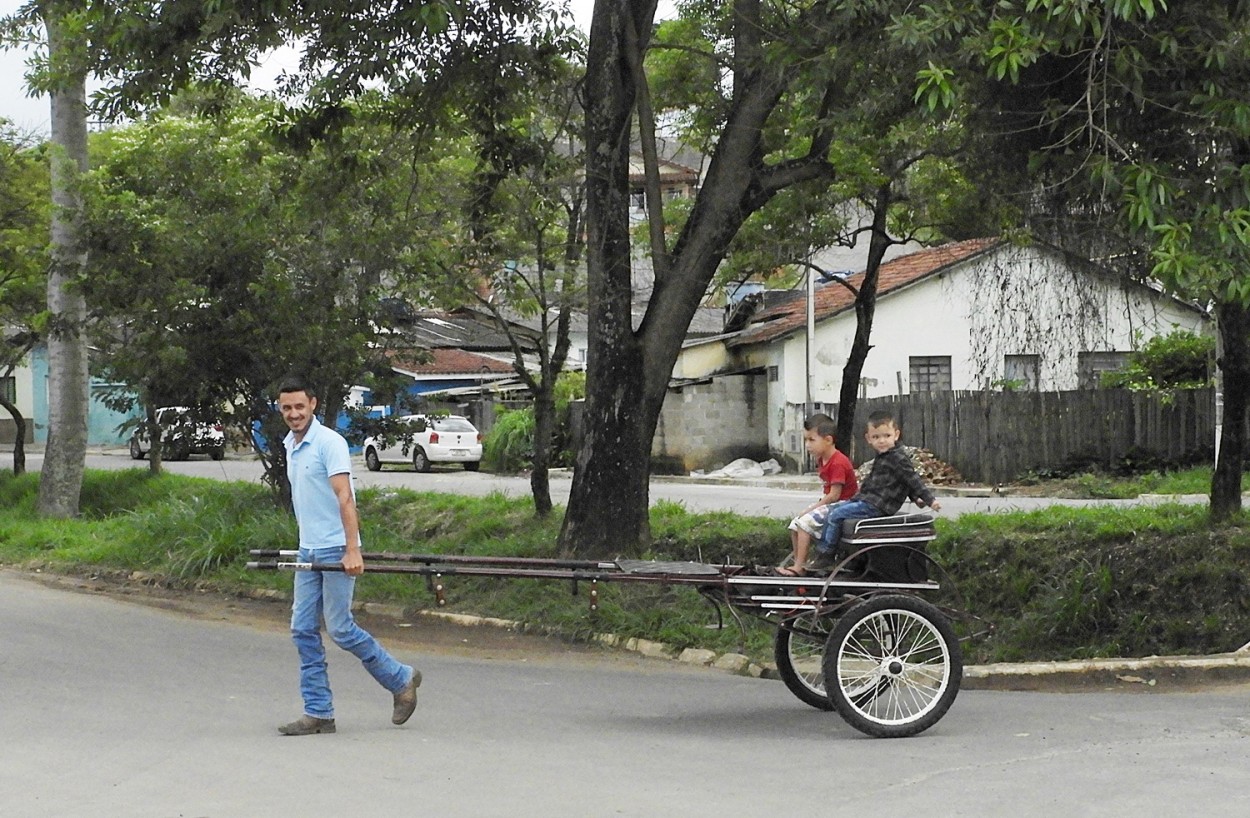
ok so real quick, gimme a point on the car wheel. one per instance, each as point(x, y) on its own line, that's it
point(135, 452)
point(472, 465)
point(219, 453)
point(372, 462)
point(420, 461)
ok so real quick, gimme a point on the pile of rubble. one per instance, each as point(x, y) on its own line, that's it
point(932, 471)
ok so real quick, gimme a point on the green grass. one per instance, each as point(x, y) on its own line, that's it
point(1058, 583)
point(1106, 486)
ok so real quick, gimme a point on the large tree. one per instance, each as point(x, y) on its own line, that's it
point(788, 77)
point(24, 206)
point(1131, 124)
point(225, 258)
point(153, 45)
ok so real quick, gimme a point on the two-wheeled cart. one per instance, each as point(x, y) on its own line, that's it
point(892, 656)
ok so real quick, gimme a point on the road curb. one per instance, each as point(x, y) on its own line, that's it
point(1152, 672)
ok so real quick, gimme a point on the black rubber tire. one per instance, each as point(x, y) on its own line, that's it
point(218, 453)
point(893, 666)
point(472, 465)
point(372, 461)
point(135, 452)
point(798, 649)
point(419, 460)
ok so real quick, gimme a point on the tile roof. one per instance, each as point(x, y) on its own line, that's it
point(782, 319)
point(450, 361)
point(436, 328)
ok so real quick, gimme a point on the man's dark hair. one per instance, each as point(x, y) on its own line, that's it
point(294, 383)
point(823, 425)
point(880, 418)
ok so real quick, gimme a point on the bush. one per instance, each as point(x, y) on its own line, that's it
point(509, 446)
point(1179, 360)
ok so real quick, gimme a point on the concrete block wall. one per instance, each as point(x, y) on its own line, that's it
point(707, 424)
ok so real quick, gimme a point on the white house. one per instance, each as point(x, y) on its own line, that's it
point(18, 388)
point(977, 314)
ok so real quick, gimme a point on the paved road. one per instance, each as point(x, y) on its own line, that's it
point(749, 499)
point(109, 708)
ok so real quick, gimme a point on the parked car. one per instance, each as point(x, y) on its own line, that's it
point(182, 435)
point(446, 439)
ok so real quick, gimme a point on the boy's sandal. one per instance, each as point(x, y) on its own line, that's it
point(788, 571)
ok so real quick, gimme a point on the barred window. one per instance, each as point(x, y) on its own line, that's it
point(930, 373)
point(1021, 371)
point(8, 389)
point(1091, 365)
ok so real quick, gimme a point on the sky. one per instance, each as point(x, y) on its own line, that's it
point(32, 115)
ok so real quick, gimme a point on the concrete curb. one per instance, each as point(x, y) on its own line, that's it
point(1157, 672)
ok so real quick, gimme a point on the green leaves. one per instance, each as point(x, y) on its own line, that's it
point(935, 88)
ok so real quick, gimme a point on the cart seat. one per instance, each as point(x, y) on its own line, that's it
point(893, 548)
point(896, 528)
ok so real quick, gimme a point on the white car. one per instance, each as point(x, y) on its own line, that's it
point(446, 439)
point(182, 434)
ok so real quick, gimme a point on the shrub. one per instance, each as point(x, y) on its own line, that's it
point(1179, 360)
point(509, 445)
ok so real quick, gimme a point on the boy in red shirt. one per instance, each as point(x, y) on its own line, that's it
point(837, 476)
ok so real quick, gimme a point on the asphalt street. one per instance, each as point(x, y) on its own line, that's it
point(112, 708)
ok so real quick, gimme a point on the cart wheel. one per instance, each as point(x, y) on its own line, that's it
point(798, 649)
point(896, 666)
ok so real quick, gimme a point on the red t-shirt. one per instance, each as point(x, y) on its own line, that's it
point(838, 469)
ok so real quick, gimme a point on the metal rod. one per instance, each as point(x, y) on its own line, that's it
point(460, 559)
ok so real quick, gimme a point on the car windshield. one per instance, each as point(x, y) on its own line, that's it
point(453, 425)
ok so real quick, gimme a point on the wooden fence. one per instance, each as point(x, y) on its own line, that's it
point(994, 437)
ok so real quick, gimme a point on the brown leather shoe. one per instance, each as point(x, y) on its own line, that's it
point(307, 726)
point(406, 699)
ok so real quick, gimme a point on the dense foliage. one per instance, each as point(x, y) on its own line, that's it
point(1178, 360)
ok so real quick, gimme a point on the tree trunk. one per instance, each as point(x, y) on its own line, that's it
point(865, 309)
point(608, 506)
point(66, 451)
point(19, 437)
point(1234, 326)
point(544, 428)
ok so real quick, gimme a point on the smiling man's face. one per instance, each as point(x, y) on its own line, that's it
point(297, 410)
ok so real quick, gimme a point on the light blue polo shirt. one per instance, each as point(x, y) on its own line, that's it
point(309, 466)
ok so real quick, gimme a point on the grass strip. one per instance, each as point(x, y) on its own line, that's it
point(1060, 583)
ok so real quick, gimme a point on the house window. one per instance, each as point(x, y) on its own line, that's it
point(774, 374)
point(8, 389)
point(1091, 365)
point(930, 373)
point(1021, 371)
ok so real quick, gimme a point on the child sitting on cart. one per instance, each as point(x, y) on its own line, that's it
point(837, 477)
point(892, 481)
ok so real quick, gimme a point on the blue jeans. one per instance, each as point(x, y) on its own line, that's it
point(839, 513)
point(329, 593)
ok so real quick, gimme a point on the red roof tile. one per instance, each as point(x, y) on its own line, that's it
point(449, 361)
point(833, 298)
